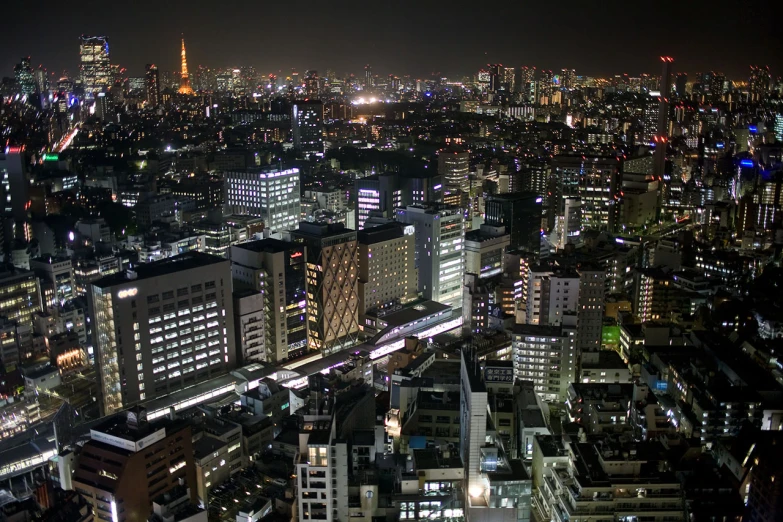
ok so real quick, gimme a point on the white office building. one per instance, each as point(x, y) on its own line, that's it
point(440, 250)
point(269, 193)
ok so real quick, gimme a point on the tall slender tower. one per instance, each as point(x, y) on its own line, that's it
point(661, 138)
point(184, 83)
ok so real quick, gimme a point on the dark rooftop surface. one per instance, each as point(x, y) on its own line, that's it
point(387, 232)
point(268, 245)
point(205, 446)
point(164, 267)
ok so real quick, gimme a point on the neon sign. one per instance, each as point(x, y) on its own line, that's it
point(128, 292)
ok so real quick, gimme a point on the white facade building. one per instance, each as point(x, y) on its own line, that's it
point(271, 194)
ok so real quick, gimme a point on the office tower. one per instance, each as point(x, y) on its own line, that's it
point(277, 270)
point(521, 214)
point(509, 79)
point(103, 106)
point(268, 192)
point(387, 266)
point(332, 285)
point(23, 72)
point(454, 167)
point(129, 461)
point(440, 255)
point(545, 90)
point(547, 356)
point(661, 139)
point(307, 126)
point(377, 196)
point(595, 181)
point(312, 84)
point(650, 122)
point(680, 84)
point(20, 294)
point(367, 77)
point(94, 64)
point(161, 327)
point(526, 85)
point(495, 77)
point(567, 78)
point(152, 84)
point(15, 182)
point(184, 81)
point(485, 249)
point(56, 279)
point(759, 82)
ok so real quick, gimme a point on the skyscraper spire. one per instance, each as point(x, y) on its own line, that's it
point(184, 83)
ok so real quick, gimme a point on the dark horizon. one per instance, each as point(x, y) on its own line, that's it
point(405, 38)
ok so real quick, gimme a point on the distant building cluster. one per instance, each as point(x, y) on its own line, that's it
point(522, 294)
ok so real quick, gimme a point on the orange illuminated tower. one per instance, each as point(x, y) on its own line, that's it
point(184, 83)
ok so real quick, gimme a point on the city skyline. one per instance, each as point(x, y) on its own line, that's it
point(405, 44)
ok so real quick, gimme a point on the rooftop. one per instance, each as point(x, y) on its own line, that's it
point(164, 267)
point(269, 245)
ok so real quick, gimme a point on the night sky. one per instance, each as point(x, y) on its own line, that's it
point(596, 37)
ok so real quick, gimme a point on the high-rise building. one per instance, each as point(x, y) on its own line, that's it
point(23, 72)
point(661, 139)
point(15, 182)
point(520, 213)
point(759, 82)
point(307, 126)
point(152, 84)
point(269, 192)
point(495, 77)
point(312, 84)
point(387, 267)
point(277, 270)
point(554, 297)
point(547, 356)
point(161, 327)
point(94, 64)
point(56, 279)
point(485, 249)
point(184, 82)
point(596, 182)
point(496, 486)
point(680, 84)
point(526, 85)
point(377, 196)
point(367, 77)
point(249, 325)
point(590, 307)
point(331, 257)
point(20, 294)
point(454, 167)
point(440, 254)
point(128, 462)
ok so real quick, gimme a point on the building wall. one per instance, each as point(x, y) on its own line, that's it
point(156, 335)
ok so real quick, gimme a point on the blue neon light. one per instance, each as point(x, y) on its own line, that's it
point(746, 163)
